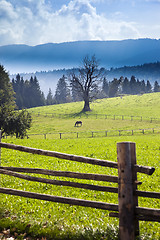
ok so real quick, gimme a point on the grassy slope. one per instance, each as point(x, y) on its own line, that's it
point(146, 105)
point(67, 222)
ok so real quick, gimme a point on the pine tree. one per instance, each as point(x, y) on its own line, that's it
point(148, 87)
point(142, 87)
point(126, 86)
point(133, 85)
point(62, 91)
point(28, 93)
point(76, 95)
point(113, 87)
point(105, 86)
point(156, 87)
point(49, 99)
point(11, 121)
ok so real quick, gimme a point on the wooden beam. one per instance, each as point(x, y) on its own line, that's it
point(89, 176)
point(70, 157)
point(148, 194)
point(105, 163)
point(65, 200)
point(148, 212)
point(60, 183)
point(139, 217)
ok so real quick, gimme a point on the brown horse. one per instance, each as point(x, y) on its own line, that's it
point(78, 124)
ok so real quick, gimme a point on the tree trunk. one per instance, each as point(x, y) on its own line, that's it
point(86, 105)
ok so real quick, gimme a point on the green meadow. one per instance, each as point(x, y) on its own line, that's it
point(27, 217)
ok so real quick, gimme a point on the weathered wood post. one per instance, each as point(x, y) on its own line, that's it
point(134, 180)
point(125, 191)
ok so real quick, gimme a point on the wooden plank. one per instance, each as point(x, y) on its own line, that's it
point(139, 217)
point(65, 156)
point(125, 192)
point(147, 194)
point(148, 218)
point(144, 169)
point(65, 200)
point(89, 176)
point(60, 183)
point(105, 163)
point(148, 212)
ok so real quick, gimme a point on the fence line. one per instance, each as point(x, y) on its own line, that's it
point(126, 210)
point(97, 116)
point(94, 134)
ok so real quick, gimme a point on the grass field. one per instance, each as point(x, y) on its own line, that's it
point(58, 221)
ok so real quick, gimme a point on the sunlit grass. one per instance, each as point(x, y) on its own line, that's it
point(60, 221)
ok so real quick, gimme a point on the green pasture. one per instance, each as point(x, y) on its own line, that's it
point(146, 105)
point(59, 221)
point(127, 113)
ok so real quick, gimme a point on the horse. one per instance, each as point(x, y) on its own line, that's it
point(78, 123)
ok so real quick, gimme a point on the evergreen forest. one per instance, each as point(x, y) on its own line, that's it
point(28, 93)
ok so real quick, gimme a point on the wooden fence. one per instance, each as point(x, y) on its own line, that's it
point(126, 210)
point(97, 116)
point(95, 134)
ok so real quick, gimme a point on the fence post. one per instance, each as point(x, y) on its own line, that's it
point(134, 180)
point(125, 191)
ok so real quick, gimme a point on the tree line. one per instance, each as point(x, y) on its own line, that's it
point(28, 93)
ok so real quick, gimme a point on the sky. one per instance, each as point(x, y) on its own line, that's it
point(35, 22)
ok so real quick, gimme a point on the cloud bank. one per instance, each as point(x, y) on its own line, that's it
point(35, 22)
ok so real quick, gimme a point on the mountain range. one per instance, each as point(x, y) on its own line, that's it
point(24, 58)
point(54, 56)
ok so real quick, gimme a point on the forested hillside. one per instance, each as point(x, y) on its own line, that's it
point(49, 79)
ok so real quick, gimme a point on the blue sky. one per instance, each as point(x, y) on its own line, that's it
point(34, 22)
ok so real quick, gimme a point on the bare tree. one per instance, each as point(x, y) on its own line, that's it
point(87, 80)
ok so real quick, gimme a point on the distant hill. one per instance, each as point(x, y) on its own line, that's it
point(23, 58)
point(147, 71)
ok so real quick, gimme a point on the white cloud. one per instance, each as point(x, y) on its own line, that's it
point(33, 22)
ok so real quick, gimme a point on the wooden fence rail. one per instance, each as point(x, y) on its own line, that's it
point(104, 163)
point(94, 134)
point(97, 116)
point(102, 133)
point(126, 210)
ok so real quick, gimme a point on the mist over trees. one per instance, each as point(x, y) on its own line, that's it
point(28, 93)
point(85, 84)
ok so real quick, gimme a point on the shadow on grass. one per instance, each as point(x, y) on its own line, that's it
point(12, 227)
point(80, 114)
